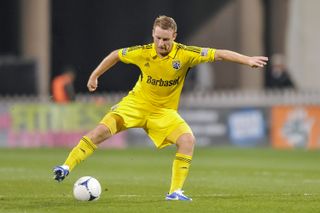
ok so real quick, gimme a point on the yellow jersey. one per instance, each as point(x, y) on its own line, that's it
point(161, 80)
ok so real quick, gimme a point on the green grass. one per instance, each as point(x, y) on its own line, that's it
point(136, 180)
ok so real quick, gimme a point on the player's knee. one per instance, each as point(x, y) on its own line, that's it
point(186, 141)
point(113, 122)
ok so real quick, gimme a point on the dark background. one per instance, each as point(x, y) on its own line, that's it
point(84, 32)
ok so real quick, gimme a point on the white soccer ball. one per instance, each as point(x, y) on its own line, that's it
point(87, 188)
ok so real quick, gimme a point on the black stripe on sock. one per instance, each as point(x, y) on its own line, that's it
point(183, 159)
point(88, 143)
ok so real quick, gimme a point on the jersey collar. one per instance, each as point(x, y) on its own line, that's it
point(172, 53)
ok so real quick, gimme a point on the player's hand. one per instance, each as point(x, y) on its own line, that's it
point(258, 61)
point(92, 84)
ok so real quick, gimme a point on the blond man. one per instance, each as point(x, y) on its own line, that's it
point(153, 102)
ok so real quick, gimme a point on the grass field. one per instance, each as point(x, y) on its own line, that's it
point(136, 180)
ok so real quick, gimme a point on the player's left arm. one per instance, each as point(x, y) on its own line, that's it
point(252, 61)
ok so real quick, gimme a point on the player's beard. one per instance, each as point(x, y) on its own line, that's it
point(164, 50)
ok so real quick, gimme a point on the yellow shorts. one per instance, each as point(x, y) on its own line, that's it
point(163, 126)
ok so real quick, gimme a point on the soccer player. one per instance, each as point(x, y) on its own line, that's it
point(152, 103)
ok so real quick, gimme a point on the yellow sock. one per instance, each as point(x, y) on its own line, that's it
point(180, 169)
point(83, 150)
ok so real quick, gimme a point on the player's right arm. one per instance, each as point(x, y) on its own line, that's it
point(105, 65)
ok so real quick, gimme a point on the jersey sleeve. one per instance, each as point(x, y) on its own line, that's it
point(130, 55)
point(198, 55)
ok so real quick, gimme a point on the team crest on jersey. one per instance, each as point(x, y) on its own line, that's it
point(176, 65)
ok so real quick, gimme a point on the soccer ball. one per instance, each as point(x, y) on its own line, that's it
point(87, 188)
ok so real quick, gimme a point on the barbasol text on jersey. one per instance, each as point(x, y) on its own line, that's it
point(162, 83)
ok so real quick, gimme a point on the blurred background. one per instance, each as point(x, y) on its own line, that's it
point(46, 45)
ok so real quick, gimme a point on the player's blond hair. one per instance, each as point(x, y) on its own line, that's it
point(165, 22)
